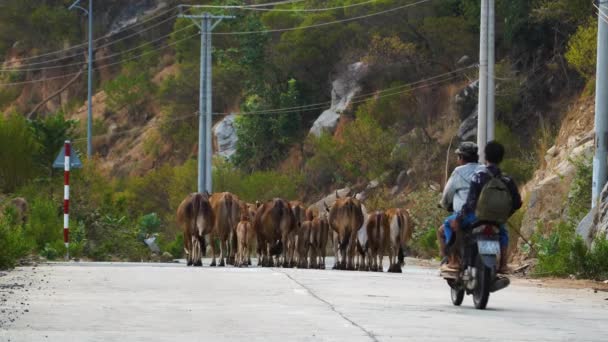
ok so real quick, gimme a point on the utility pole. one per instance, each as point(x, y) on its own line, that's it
point(89, 14)
point(482, 108)
point(491, 120)
point(206, 22)
point(601, 106)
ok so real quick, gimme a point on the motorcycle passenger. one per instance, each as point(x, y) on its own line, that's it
point(499, 197)
point(456, 191)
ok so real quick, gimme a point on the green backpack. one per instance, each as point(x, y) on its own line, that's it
point(495, 203)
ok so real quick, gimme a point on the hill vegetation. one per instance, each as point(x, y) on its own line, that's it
point(286, 60)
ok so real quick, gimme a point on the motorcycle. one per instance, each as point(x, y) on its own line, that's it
point(479, 253)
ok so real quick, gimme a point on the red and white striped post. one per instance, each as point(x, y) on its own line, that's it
point(66, 198)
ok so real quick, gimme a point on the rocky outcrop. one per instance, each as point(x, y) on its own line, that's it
point(224, 136)
point(466, 106)
point(547, 192)
point(344, 88)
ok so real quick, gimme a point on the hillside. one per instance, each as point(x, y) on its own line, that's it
point(369, 95)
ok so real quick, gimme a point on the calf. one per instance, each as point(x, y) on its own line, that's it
point(377, 229)
point(401, 229)
point(246, 239)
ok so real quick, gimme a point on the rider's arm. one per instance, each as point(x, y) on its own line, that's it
point(447, 198)
point(517, 203)
point(474, 191)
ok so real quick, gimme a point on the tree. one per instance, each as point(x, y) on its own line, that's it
point(51, 132)
point(265, 137)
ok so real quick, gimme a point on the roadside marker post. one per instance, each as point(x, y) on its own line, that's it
point(64, 160)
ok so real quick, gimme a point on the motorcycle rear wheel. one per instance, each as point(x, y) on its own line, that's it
point(457, 296)
point(481, 294)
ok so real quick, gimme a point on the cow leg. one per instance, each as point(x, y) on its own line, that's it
point(351, 249)
point(285, 251)
point(213, 250)
point(336, 247)
point(223, 251)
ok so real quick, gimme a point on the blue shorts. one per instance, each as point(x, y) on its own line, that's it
point(468, 220)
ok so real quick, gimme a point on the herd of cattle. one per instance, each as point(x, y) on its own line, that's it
point(288, 234)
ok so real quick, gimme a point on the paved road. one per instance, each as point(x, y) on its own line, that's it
point(170, 302)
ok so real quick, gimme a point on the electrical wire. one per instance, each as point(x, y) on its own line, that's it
point(284, 9)
point(322, 24)
point(104, 57)
point(20, 67)
point(279, 3)
point(103, 66)
point(97, 39)
point(378, 94)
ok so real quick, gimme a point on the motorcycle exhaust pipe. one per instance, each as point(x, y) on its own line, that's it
point(500, 284)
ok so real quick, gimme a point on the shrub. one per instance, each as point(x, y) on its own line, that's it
point(12, 244)
point(579, 197)
point(427, 217)
point(582, 49)
point(45, 222)
point(563, 253)
point(18, 149)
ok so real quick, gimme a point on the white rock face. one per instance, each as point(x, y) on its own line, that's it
point(224, 134)
point(344, 88)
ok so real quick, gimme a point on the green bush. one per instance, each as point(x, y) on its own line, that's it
point(45, 222)
point(18, 149)
point(427, 218)
point(582, 49)
point(13, 244)
point(563, 253)
point(579, 197)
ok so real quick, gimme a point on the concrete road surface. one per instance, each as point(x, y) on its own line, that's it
point(172, 302)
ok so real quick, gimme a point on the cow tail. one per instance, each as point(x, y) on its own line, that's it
point(203, 246)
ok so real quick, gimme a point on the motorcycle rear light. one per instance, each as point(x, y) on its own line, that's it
point(488, 231)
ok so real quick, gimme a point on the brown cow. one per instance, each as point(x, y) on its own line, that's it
point(345, 219)
point(318, 240)
point(377, 229)
point(196, 217)
point(401, 230)
point(302, 244)
point(299, 213)
point(226, 210)
point(245, 239)
point(273, 223)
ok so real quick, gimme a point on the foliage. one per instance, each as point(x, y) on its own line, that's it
point(563, 253)
point(399, 109)
point(51, 132)
point(264, 137)
point(259, 185)
point(18, 151)
point(582, 49)
point(579, 196)
point(518, 163)
point(45, 222)
point(12, 243)
point(427, 216)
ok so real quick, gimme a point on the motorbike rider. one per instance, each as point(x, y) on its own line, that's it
point(456, 191)
point(494, 153)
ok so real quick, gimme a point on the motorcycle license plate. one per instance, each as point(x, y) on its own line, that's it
point(488, 247)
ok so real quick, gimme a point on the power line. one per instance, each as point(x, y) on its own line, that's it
point(101, 58)
point(20, 67)
point(383, 93)
point(103, 66)
point(456, 71)
point(323, 24)
point(278, 3)
point(98, 39)
point(250, 8)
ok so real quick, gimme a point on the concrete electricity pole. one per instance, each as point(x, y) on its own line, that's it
point(206, 22)
point(485, 117)
point(89, 13)
point(601, 106)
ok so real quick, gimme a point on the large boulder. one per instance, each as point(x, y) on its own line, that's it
point(344, 88)
point(225, 138)
point(466, 106)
